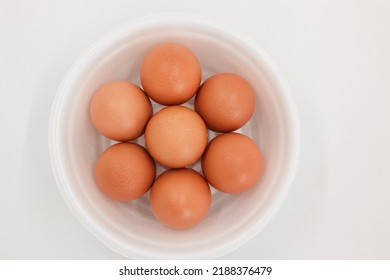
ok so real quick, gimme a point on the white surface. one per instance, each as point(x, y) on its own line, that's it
point(335, 55)
point(130, 228)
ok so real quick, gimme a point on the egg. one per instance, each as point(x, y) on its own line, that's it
point(119, 110)
point(232, 163)
point(180, 198)
point(176, 136)
point(225, 101)
point(125, 171)
point(170, 74)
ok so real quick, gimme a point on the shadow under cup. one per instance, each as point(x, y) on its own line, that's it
point(130, 228)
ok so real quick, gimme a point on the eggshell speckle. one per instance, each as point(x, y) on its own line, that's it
point(125, 171)
point(180, 198)
point(232, 163)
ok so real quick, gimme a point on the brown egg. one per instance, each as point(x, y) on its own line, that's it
point(176, 136)
point(225, 102)
point(232, 163)
point(120, 110)
point(180, 198)
point(125, 171)
point(170, 74)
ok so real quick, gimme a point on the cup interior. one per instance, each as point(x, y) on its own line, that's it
point(130, 228)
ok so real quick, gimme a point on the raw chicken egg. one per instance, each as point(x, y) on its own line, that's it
point(125, 171)
point(180, 198)
point(170, 74)
point(232, 163)
point(225, 101)
point(176, 136)
point(120, 110)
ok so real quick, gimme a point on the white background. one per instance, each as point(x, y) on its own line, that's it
point(336, 57)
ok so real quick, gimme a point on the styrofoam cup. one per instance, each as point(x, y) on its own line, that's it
point(129, 228)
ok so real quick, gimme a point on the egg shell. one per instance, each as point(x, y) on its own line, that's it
point(120, 110)
point(125, 171)
point(176, 136)
point(232, 163)
point(170, 74)
point(180, 198)
point(225, 101)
